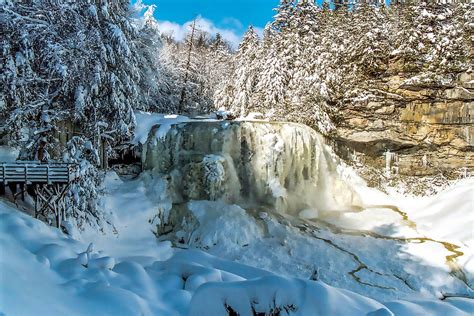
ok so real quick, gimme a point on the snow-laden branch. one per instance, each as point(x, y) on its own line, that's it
point(25, 17)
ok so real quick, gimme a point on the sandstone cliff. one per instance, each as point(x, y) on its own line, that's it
point(427, 128)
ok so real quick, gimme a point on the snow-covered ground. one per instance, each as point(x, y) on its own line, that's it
point(378, 252)
point(44, 272)
point(452, 205)
point(8, 154)
point(392, 254)
point(254, 260)
point(147, 120)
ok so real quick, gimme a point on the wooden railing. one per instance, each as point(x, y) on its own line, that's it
point(31, 172)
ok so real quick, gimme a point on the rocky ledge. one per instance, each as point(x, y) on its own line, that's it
point(411, 127)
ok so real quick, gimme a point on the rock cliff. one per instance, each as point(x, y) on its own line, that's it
point(411, 127)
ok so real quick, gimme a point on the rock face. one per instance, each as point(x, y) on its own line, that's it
point(427, 128)
point(282, 166)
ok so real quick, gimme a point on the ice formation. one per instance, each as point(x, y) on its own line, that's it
point(285, 167)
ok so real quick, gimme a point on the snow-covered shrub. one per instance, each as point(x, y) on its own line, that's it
point(84, 194)
point(75, 63)
point(81, 61)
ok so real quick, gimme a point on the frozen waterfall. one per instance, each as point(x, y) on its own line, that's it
point(282, 166)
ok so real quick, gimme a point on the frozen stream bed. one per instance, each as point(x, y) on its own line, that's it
point(248, 217)
point(242, 259)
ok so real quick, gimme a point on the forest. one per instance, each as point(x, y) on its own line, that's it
point(327, 158)
point(95, 63)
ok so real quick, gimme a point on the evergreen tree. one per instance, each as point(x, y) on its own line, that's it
point(271, 87)
point(220, 67)
point(284, 12)
point(313, 60)
point(238, 92)
point(370, 44)
point(80, 63)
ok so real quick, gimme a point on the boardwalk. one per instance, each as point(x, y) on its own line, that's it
point(48, 182)
point(28, 172)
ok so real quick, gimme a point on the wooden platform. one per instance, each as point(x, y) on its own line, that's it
point(30, 172)
point(49, 183)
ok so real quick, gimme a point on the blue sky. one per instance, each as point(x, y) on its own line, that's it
point(223, 13)
point(229, 17)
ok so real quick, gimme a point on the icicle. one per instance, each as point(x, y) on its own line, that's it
point(285, 166)
point(396, 168)
point(424, 161)
point(388, 162)
point(354, 157)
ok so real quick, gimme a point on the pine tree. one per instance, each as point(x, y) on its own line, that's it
point(371, 42)
point(82, 63)
point(220, 67)
point(240, 90)
point(409, 49)
point(284, 11)
point(271, 88)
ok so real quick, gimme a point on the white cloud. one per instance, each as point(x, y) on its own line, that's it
point(179, 31)
point(233, 23)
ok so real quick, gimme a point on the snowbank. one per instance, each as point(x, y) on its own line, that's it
point(8, 154)
point(255, 261)
point(145, 121)
point(47, 273)
point(448, 215)
point(277, 294)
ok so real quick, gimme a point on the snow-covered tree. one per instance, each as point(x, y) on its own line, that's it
point(313, 60)
point(75, 63)
point(369, 47)
point(272, 85)
point(197, 67)
point(81, 61)
point(239, 90)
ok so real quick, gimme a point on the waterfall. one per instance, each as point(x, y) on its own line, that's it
point(282, 166)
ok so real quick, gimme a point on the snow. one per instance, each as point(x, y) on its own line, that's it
point(301, 297)
point(254, 261)
point(448, 216)
point(120, 39)
point(146, 121)
point(388, 254)
point(8, 154)
point(440, 215)
point(47, 273)
point(130, 205)
point(79, 97)
point(232, 227)
point(254, 116)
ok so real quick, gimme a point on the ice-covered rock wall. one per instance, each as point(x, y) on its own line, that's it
point(282, 166)
point(428, 125)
